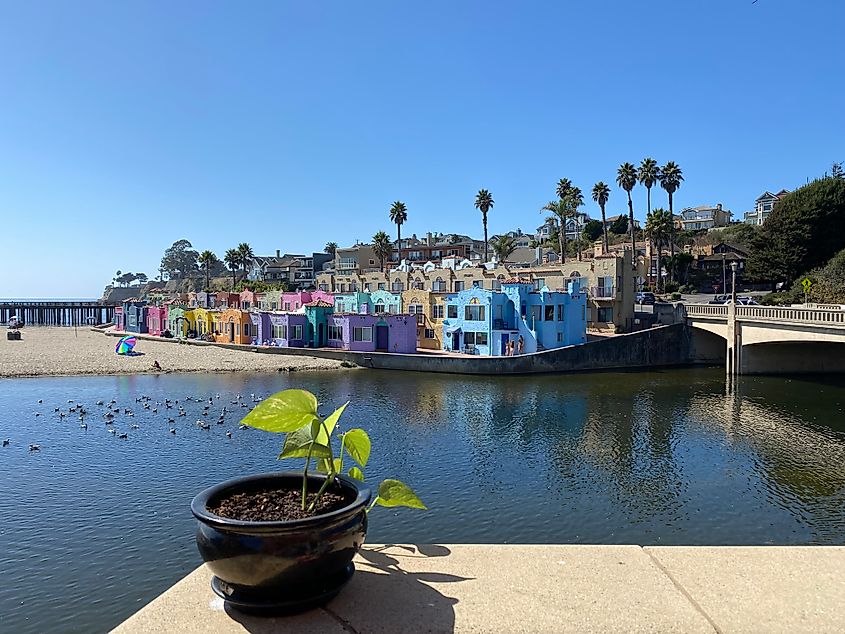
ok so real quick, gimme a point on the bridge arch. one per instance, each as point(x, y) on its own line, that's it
point(796, 356)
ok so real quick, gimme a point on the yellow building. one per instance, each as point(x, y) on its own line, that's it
point(429, 309)
point(207, 321)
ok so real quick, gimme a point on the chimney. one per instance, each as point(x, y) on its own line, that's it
point(278, 253)
point(428, 239)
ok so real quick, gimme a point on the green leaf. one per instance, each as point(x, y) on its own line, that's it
point(357, 444)
point(285, 411)
point(396, 493)
point(331, 419)
point(298, 443)
point(356, 473)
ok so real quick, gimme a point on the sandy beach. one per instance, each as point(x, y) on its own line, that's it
point(62, 352)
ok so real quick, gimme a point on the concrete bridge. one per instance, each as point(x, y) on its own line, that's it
point(768, 339)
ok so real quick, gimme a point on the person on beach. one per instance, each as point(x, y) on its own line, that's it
point(156, 366)
point(520, 345)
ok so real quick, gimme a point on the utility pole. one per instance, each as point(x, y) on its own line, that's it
point(733, 282)
point(724, 277)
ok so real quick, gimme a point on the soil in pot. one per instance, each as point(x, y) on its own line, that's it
point(275, 505)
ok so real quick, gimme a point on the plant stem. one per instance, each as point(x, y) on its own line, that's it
point(305, 475)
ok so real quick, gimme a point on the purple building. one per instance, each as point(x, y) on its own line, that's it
point(287, 330)
point(373, 333)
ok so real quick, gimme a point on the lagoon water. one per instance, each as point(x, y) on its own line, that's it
point(93, 527)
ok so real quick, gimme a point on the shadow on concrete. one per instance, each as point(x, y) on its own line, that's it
point(383, 596)
point(387, 595)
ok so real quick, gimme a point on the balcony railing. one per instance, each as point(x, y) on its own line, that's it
point(420, 319)
point(603, 292)
point(501, 324)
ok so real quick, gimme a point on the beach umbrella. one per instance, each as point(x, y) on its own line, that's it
point(125, 345)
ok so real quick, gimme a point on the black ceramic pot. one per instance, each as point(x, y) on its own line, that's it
point(281, 567)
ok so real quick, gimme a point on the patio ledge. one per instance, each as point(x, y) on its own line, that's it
point(567, 588)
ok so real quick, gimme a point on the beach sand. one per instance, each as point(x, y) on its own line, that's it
point(62, 352)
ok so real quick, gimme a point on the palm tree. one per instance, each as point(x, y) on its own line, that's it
point(330, 248)
point(626, 178)
point(382, 247)
point(658, 227)
point(601, 193)
point(484, 203)
point(670, 179)
point(398, 215)
point(573, 200)
point(206, 260)
point(233, 260)
point(503, 246)
point(558, 217)
point(647, 174)
point(246, 256)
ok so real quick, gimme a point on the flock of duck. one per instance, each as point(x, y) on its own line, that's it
point(171, 410)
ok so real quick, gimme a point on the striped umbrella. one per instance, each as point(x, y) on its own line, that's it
point(125, 345)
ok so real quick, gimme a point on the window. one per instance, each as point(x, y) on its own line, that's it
point(372, 262)
point(439, 285)
point(477, 284)
point(437, 311)
point(539, 283)
point(381, 286)
point(297, 333)
point(429, 333)
point(549, 312)
point(273, 305)
point(474, 313)
point(393, 308)
point(398, 287)
point(362, 334)
point(560, 337)
point(287, 305)
point(335, 333)
point(453, 312)
point(340, 307)
point(535, 314)
point(459, 286)
point(379, 306)
point(341, 288)
point(605, 315)
point(324, 288)
point(367, 287)
point(561, 310)
point(497, 283)
point(475, 338)
point(415, 309)
point(280, 332)
point(246, 330)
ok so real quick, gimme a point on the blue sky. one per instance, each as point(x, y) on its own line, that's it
point(127, 125)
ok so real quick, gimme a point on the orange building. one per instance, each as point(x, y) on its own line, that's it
point(236, 327)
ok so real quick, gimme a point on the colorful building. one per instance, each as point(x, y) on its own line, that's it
point(248, 300)
point(317, 313)
point(372, 333)
point(224, 300)
point(382, 301)
point(429, 309)
point(270, 300)
point(283, 329)
point(235, 326)
point(156, 320)
point(119, 318)
point(135, 312)
point(181, 320)
point(205, 322)
point(294, 300)
point(322, 296)
point(354, 303)
point(480, 321)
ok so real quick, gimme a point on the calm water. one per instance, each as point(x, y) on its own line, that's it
point(93, 526)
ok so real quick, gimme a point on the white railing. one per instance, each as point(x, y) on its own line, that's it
point(770, 313)
point(603, 292)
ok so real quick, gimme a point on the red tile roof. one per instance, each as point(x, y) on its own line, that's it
point(516, 280)
point(319, 303)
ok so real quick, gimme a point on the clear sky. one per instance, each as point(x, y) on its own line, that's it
point(125, 126)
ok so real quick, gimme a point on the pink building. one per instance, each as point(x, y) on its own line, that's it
point(156, 320)
point(227, 300)
point(322, 296)
point(289, 302)
point(119, 318)
point(248, 300)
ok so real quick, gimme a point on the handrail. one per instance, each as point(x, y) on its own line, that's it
point(821, 316)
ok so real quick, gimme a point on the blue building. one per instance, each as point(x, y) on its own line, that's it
point(482, 321)
point(135, 316)
point(355, 302)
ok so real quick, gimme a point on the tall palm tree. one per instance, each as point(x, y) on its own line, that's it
point(398, 215)
point(558, 217)
point(671, 178)
point(246, 256)
point(232, 259)
point(206, 260)
point(658, 229)
point(647, 174)
point(382, 247)
point(563, 186)
point(601, 193)
point(484, 202)
point(503, 247)
point(573, 200)
point(330, 248)
point(626, 178)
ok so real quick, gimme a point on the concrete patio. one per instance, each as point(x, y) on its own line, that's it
point(513, 588)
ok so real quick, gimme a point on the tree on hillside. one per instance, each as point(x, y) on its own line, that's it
point(398, 216)
point(233, 262)
point(503, 247)
point(593, 230)
point(558, 220)
point(805, 229)
point(619, 226)
point(206, 261)
point(484, 203)
point(671, 178)
point(141, 278)
point(245, 255)
point(180, 260)
point(382, 247)
point(626, 178)
point(330, 248)
point(601, 193)
point(836, 171)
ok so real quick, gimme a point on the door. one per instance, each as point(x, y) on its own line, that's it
point(381, 338)
point(231, 332)
point(504, 347)
point(456, 341)
point(320, 336)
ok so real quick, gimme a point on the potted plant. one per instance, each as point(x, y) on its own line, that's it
point(284, 542)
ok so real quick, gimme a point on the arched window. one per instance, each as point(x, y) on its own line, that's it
point(439, 285)
point(379, 306)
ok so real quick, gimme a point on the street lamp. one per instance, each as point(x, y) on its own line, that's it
point(733, 282)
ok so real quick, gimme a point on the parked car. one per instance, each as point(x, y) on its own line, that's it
point(645, 298)
point(720, 299)
point(744, 301)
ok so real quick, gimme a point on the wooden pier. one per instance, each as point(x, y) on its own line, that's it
point(47, 313)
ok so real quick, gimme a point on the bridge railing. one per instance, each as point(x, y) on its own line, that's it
point(770, 313)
